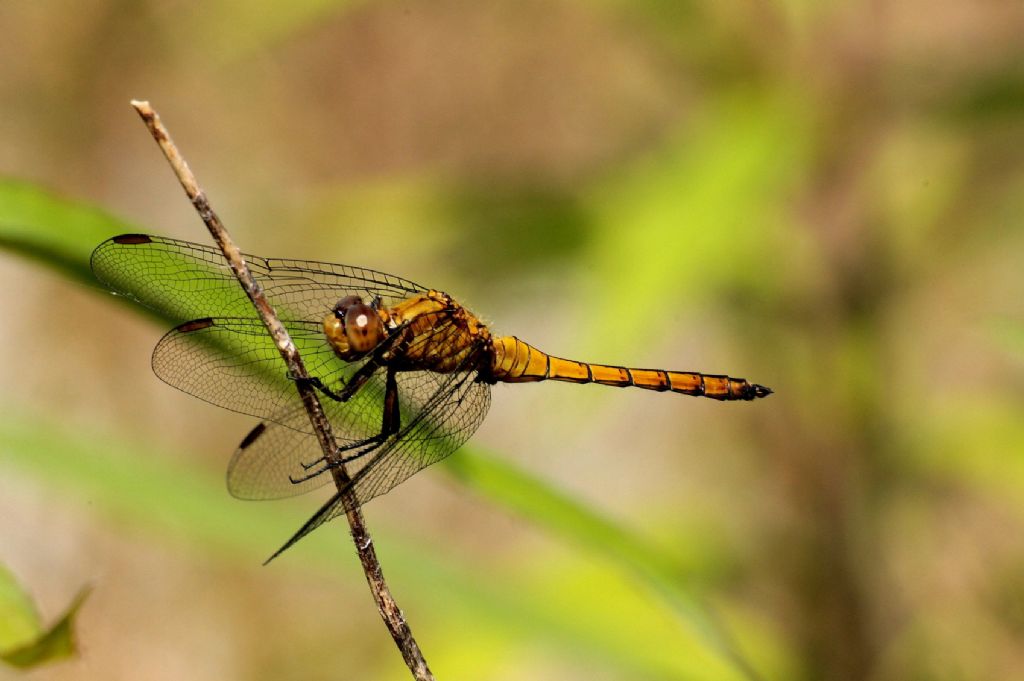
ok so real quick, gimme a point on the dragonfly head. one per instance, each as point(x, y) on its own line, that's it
point(353, 328)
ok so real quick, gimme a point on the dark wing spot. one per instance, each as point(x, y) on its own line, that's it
point(195, 325)
point(253, 435)
point(132, 239)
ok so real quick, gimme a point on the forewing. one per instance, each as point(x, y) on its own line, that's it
point(185, 280)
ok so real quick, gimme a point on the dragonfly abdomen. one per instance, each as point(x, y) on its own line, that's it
point(516, 361)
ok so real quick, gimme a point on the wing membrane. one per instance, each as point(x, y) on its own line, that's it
point(185, 280)
point(226, 357)
point(233, 363)
point(446, 421)
point(261, 466)
point(456, 411)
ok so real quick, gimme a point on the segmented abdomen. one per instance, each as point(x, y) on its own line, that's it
point(515, 361)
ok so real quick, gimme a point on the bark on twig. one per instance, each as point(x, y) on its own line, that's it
point(389, 610)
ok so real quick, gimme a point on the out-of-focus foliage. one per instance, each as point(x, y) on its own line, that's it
point(192, 507)
point(24, 642)
point(58, 233)
point(28, 215)
point(823, 197)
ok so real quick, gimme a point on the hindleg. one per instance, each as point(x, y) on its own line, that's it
point(391, 419)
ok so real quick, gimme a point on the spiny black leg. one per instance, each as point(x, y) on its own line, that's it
point(316, 383)
point(310, 475)
point(352, 386)
point(349, 389)
point(361, 453)
point(358, 380)
point(391, 421)
point(311, 464)
point(368, 445)
point(391, 418)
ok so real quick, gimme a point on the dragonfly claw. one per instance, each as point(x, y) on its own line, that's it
point(315, 382)
point(311, 464)
point(302, 380)
point(308, 476)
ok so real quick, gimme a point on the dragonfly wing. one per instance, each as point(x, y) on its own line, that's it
point(444, 422)
point(270, 453)
point(284, 447)
point(277, 449)
point(185, 280)
point(233, 363)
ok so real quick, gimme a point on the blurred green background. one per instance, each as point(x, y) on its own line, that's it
point(822, 197)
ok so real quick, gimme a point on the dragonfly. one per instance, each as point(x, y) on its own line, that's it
point(404, 372)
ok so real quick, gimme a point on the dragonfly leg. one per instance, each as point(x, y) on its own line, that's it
point(318, 466)
point(352, 386)
point(316, 383)
point(358, 379)
point(348, 389)
point(312, 464)
point(321, 465)
point(310, 474)
point(391, 420)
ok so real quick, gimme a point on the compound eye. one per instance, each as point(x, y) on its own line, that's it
point(344, 304)
point(363, 327)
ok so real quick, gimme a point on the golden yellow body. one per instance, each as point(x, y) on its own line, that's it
point(437, 334)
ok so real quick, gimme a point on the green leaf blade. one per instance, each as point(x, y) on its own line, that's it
point(23, 641)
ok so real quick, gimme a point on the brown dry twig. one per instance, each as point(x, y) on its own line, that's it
point(389, 610)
